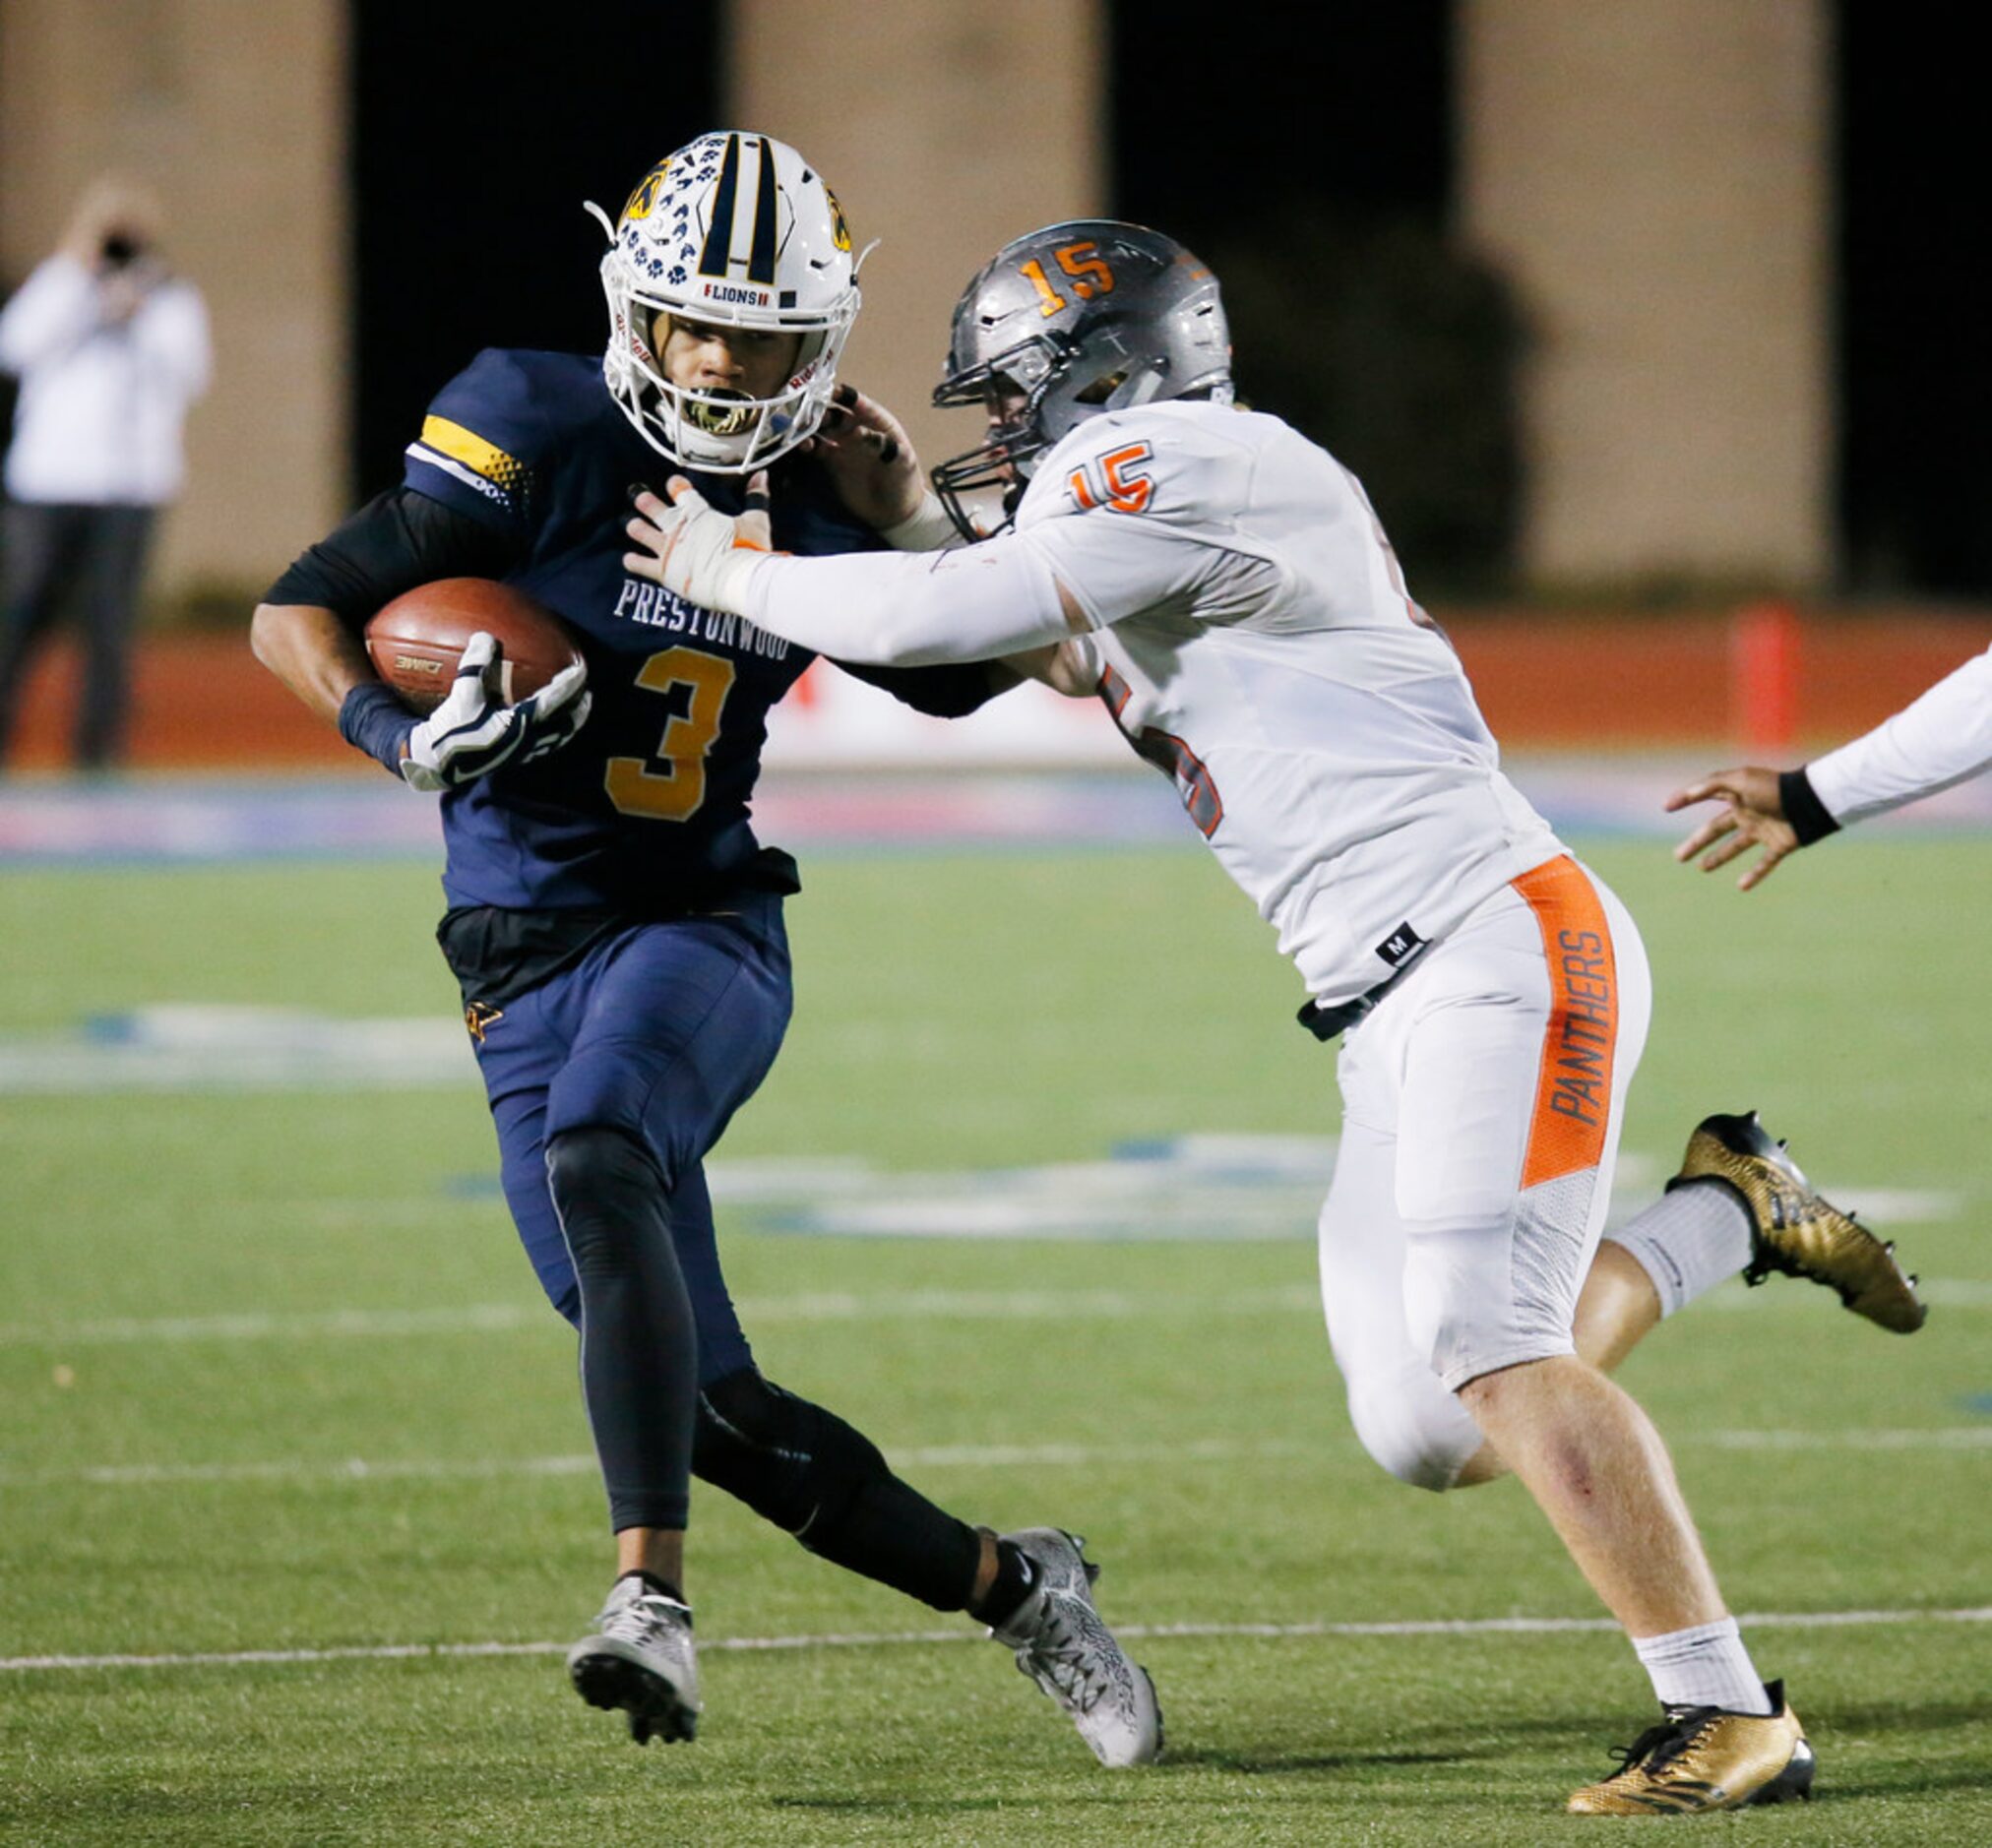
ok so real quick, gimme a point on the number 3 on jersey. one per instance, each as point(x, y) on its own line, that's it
point(675, 792)
point(1118, 480)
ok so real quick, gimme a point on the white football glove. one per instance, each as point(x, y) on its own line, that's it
point(474, 730)
point(706, 557)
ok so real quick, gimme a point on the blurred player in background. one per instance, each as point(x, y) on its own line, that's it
point(1225, 588)
point(1942, 738)
point(614, 924)
point(111, 349)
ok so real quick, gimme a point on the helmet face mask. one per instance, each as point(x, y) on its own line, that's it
point(1009, 389)
point(732, 231)
point(1077, 319)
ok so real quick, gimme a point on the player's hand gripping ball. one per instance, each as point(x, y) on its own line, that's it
point(416, 641)
point(475, 730)
point(499, 675)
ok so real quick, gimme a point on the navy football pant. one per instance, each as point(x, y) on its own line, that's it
point(631, 1064)
point(660, 1033)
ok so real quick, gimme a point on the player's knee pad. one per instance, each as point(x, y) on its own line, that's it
point(815, 1477)
point(604, 1183)
point(1414, 1428)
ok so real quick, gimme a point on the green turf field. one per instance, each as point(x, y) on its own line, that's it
point(273, 1381)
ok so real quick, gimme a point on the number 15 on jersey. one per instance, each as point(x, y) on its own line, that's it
point(1118, 480)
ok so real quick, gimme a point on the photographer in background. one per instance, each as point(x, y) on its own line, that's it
point(110, 347)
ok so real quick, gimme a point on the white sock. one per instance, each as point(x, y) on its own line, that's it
point(1689, 1241)
point(1703, 1667)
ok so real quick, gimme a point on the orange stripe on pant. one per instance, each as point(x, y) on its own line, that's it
point(1573, 1090)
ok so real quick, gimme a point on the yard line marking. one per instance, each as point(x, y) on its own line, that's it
point(834, 1639)
point(360, 1469)
point(473, 1318)
point(807, 1307)
point(1541, 1626)
point(1948, 1437)
point(1956, 1293)
point(582, 1463)
point(1939, 1292)
point(1025, 1305)
point(821, 1306)
point(338, 1469)
point(832, 1305)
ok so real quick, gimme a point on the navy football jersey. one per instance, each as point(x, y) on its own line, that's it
point(649, 803)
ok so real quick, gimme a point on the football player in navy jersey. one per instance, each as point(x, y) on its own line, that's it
point(614, 924)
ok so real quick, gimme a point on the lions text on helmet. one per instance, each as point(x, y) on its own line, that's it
point(1079, 318)
point(734, 245)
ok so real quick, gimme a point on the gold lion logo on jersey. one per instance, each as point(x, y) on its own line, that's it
point(644, 200)
point(479, 1016)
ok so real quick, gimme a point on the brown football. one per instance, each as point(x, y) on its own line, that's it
point(415, 641)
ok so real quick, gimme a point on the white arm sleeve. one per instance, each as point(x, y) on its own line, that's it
point(927, 528)
point(1118, 565)
point(1939, 739)
point(911, 608)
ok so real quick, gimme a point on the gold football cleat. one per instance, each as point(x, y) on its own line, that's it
point(1793, 1230)
point(1702, 1758)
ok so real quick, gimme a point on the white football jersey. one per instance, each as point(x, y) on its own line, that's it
point(1253, 636)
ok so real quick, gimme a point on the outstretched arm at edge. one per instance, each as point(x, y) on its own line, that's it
point(1941, 738)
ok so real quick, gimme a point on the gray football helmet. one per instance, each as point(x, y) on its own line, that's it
point(1079, 318)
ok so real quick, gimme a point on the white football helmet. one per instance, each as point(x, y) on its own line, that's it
point(733, 229)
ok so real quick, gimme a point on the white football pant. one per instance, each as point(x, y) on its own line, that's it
point(1482, 1101)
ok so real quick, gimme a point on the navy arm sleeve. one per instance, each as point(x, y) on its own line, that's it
point(396, 541)
point(953, 691)
point(467, 505)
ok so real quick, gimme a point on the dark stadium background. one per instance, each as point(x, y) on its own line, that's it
point(471, 162)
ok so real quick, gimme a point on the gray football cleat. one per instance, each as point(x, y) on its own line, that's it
point(1061, 1644)
point(641, 1659)
point(1792, 1229)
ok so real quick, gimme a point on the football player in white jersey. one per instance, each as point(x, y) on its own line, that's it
point(1941, 738)
point(1223, 585)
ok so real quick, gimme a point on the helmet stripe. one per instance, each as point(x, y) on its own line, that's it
point(718, 250)
point(761, 260)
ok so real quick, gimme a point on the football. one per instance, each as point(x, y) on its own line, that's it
point(415, 641)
